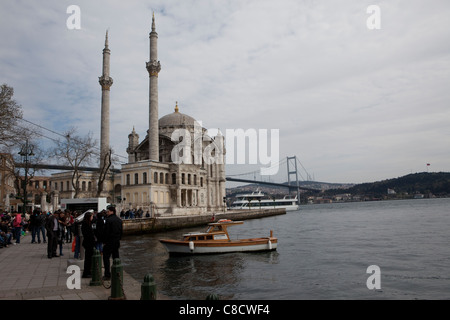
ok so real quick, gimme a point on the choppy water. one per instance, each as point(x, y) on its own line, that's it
point(323, 253)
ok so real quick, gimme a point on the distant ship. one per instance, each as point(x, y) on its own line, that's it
point(255, 200)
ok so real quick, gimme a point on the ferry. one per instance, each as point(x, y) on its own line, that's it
point(256, 200)
point(217, 240)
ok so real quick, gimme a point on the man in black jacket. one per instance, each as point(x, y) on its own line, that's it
point(52, 234)
point(111, 238)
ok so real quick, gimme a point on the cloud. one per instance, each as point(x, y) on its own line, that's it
point(353, 104)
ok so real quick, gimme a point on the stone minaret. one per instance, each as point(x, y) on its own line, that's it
point(133, 142)
point(106, 82)
point(153, 68)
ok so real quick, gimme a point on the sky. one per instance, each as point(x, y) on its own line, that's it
point(354, 104)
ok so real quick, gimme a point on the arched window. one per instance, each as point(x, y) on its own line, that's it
point(136, 178)
point(144, 178)
point(155, 177)
point(174, 178)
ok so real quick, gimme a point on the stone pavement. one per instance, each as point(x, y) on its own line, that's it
point(27, 274)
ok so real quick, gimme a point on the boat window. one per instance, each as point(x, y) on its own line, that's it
point(220, 237)
point(209, 237)
point(191, 238)
point(201, 237)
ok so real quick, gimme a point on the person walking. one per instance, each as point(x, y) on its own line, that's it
point(69, 225)
point(34, 224)
point(88, 243)
point(40, 222)
point(99, 222)
point(111, 237)
point(17, 226)
point(77, 235)
point(52, 227)
point(61, 231)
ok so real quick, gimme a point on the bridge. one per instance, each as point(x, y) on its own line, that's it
point(290, 187)
point(292, 176)
point(290, 162)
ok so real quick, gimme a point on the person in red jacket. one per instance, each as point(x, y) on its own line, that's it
point(17, 226)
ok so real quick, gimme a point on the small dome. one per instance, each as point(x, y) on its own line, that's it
point(176, 119)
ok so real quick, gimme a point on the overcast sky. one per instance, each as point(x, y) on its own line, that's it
point(353, 104)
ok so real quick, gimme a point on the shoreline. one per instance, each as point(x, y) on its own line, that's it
point(162, 224)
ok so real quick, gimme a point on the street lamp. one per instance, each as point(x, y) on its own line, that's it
point(25, 152)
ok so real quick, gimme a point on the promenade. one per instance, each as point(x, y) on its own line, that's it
point(27, 274)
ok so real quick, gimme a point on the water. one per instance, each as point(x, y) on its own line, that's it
point(323, 253)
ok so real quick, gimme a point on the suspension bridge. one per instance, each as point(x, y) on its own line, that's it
point(291, 176)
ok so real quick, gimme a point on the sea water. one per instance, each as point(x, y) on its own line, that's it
point(324, 252)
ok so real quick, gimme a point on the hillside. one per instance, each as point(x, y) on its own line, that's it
point(437, 184)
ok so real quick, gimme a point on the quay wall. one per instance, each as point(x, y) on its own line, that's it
point(160, 224)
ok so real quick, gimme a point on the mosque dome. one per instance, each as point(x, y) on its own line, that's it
point(176, 120)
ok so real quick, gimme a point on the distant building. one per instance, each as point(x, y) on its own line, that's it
point(344, 197)
point(391, 191)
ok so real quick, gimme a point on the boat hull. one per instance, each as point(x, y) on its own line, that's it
point(213, 247)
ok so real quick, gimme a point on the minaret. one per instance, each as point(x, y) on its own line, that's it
point(133, 141)
point(106, 82)
point(153, 68)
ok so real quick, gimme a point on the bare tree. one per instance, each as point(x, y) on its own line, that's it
point(10, 112)
point(75, 151)
point(105, 165)
point(104, 170)
point(23, 164)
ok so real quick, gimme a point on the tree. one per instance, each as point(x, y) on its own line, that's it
point(105, 165)
point(10, 112)
point(76, 152)
point(22, 164)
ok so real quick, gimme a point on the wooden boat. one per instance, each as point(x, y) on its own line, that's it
point(217, 240)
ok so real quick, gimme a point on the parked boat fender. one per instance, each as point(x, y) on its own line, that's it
point(270, 245)
point(191, 246)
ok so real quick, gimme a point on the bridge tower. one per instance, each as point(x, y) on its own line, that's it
point(292, 161)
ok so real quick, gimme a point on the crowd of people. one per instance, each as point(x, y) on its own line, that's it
point(92, 230)
point(134, 214)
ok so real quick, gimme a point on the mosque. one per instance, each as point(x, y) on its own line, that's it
point(166, 170)
point(176, 170)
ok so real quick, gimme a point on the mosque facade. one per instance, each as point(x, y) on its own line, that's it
point(176, 169)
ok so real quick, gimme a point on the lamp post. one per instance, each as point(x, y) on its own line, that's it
point(25, 152)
